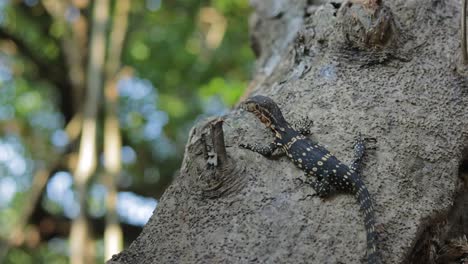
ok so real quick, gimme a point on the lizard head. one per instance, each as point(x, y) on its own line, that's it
point(266, 110)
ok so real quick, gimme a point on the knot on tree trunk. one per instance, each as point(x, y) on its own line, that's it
point(367, 24)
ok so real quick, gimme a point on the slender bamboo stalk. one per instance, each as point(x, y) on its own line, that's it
point(79, 235)
point(113, 238)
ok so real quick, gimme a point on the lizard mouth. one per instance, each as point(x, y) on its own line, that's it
point(248, 107)
point(252, 107)
point(265, 120)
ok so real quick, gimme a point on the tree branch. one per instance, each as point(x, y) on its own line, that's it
point(47, 70)
point(74, 46)
point(44, 68)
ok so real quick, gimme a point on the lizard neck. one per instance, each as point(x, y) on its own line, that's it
point(273, 119)
point(278, 124)
point(283, 132)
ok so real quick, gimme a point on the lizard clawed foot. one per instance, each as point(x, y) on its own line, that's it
point(302, 182)
point(307, 196)
point(359, 140)
point(380, 229)
point(303, 126)
point(372, 141)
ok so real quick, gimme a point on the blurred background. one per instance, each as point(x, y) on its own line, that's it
point(96, 102)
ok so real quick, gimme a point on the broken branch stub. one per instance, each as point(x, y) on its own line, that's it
point(214, 173)
point(217, 135)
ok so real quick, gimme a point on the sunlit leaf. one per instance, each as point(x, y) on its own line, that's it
point(140, 51)
point(57, 29)
point(29, 102)
point(135, 119)
point(174, 106)
point(230, 92)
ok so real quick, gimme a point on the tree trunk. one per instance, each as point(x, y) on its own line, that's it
point(391, 71)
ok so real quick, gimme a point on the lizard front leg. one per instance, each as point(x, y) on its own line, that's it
point(265, 150)
point(303, 126)
point(359, 150)
point(322, 187)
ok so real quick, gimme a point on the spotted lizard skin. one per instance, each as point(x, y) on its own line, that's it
point(316, 161)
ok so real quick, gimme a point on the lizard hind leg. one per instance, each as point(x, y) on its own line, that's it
point(322, 187)
point(359, 151)
point(265, 150)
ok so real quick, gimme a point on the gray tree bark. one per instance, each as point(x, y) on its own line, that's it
point(392, 72)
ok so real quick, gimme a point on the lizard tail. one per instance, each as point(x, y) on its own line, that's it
point(365, 203)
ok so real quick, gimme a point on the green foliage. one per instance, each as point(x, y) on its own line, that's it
point(27, 27)
point(139, 51)
point(169, 53)
point(167, 47)
point(8, 217)
point(229, 92)
point(173, 105)
point(29, 102)
point(55, 251)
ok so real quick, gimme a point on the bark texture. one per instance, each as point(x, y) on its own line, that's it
point(405, 88)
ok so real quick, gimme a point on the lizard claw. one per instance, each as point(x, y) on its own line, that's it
point(370, 139)
point(301, 181)
point(359, 139)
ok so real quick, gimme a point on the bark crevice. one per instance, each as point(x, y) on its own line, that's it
point(443, 236)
